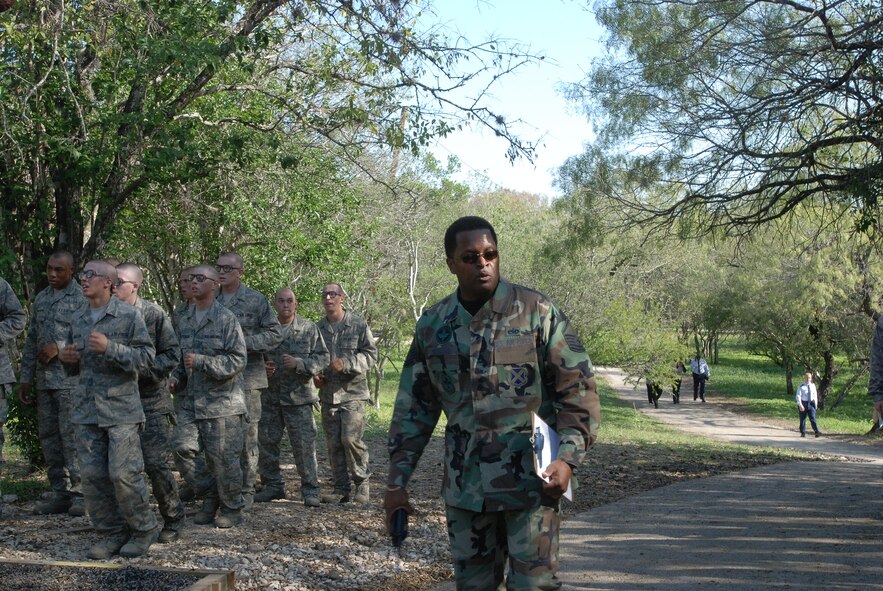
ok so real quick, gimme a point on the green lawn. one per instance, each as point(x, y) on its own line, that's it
point(759, 384)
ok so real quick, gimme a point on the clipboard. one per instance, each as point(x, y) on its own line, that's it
point(545, 442)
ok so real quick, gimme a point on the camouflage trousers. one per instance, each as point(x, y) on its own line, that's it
point(301, 425)
point(482, 543)
point(59, 441)
point(192, 469)
point(5, 390)
point(156, 446)
point(221, 440)
point(344, 426)
point(114, 487)
point(250, 446)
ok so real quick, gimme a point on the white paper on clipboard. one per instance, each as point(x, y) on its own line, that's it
point(545, 446)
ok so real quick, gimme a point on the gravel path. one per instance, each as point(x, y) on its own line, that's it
point(282, 545)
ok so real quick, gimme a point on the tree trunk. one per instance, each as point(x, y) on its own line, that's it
point(716, 352)
point(789, 377)
point(828, 374)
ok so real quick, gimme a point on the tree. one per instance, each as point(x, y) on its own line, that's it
point(104, 101)
point(729, 114)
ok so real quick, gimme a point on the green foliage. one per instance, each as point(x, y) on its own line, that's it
point(21, 429)
point(729, 114)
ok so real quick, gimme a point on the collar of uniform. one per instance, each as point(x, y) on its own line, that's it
point(210, 314)
point(112, 308)
point(501, 301)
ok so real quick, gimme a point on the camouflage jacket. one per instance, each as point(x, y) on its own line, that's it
point(353, 342)
point(262, 331)
point(295, 386)
point(213, 387)
point(875, 383)
point(51, 316)
point(177, 313)
point(12, 322)
point(107, 390)
point(153, 383)
point(488, 373)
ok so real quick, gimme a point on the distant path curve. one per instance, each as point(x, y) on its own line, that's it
point(711, 420)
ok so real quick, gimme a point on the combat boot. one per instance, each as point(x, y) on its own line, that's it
point(77, 508)
point(206, 514)
point(107, 548)
point(55, 504)
point(248, 500)
point(139, 543)
point(311, 500)
point(170, 531)
point(186, 493)
point(269, 493)
point(228, 519)
point(336, 497)
point(363, 493)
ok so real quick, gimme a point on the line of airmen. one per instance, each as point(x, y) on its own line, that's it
point(105, 368)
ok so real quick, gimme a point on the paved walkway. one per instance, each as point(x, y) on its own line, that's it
point(710, 420)
point(801, 525)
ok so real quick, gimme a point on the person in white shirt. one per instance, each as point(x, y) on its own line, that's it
point(701, 374)
point(807, 400)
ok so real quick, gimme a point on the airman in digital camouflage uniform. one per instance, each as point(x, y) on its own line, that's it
point(212, 408)
point(489, 356)
point(185, 292)
point(156, 438)
point(51, 312)
point(108, 346)
point(262, 335)
point(288, 403)
point(343, 392)
point(12, 322)
point(189, 467)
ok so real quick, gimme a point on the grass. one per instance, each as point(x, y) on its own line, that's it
point(17, 479)
point(757, 384)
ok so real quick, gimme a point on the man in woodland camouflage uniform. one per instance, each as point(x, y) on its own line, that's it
point(288, 403)
point(51, 315)
point(109, 346)
point(343, 393)
point(12, 322)
point(262, 335)
point(211, 418)
point(489, 356)
point(156, 438)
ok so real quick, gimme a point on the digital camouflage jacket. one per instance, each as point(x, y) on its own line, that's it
point(353, 342)
point(213, 387)
point(153, 383)
point(51, 316)
point(106, 393)
point(261, 329)
point(12, 322)
point(295, 386)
